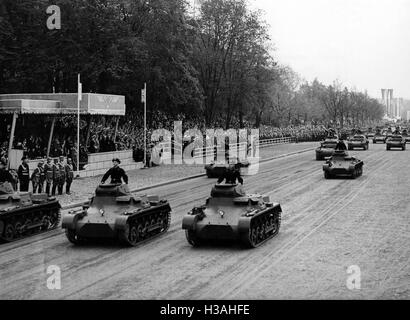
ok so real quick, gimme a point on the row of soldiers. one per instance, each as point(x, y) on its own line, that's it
point(52, 175)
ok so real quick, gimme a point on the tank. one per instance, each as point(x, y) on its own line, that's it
point(115, 213)
point(396, 141)
point(358, 141)
point(230, 215)
point(379, 136)
point(217, 169)
point(406, 135)
point(326, 148)
point(370, 133)
point(25, 214)
point(341, 164)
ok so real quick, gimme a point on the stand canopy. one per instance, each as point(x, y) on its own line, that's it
point(59, 104)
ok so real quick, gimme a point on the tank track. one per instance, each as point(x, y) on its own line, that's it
point(192, 239)
point(145, 227)
point(263, 227)
point(357, 172)
point(30, 222)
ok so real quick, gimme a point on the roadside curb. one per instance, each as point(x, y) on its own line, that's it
point(168, 182)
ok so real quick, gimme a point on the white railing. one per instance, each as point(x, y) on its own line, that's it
point(239, 150)
point(270, 142)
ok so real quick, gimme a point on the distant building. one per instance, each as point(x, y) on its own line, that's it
point(393, 106)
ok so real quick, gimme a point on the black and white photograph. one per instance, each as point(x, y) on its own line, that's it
point(204, 150)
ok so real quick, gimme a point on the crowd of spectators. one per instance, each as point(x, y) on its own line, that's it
point(102, 135)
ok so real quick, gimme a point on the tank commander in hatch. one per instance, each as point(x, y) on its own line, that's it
point(232, 174)
point(116, 173)
point(340, 145)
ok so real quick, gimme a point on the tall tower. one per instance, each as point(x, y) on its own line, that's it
point(389, 103)
point(390, 100)
point(384, 101)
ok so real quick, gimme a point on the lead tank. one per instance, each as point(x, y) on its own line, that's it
point(24, 214)
point(115, 213)
point(231, 215)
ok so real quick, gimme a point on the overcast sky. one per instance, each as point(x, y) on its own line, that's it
point(363, 43)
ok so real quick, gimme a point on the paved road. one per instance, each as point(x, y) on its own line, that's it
point(84, 187)
point(327, 226)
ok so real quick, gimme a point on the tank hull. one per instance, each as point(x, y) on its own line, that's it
point(248, 220)
point(340, 168)
point(112, 229)
point(381, 139)
point(216, 170)
point(396, 145)
point(322, 153)
point(19, 220)
point(126, 218)
point(355, 145)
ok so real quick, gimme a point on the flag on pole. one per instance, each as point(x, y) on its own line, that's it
point(80, 90)
point(143, 95)
point(144, 100)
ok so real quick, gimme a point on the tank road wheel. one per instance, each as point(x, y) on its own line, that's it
point(36, 220)
point(46, 223)
point(164, 219)
point(9, 232)
point(253, 237)
point(54, 219)
point(131, 235)
point(28, 222)
point(261, 233)
point(73, 237)
point(275, 222)
point(18, 229)
point(327, 175)
point(145, 231)
point(354, 173)
point(192, 238)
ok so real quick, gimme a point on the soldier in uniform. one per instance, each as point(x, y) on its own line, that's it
point(36, 178)
point(42, 178)
point(55, 177)
point(116, 173)
point(61, 181)
point(48, 172)
point(5, 176)
point(24, 174)
point(69, 175)
point(232, 174)
point(340, 145)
